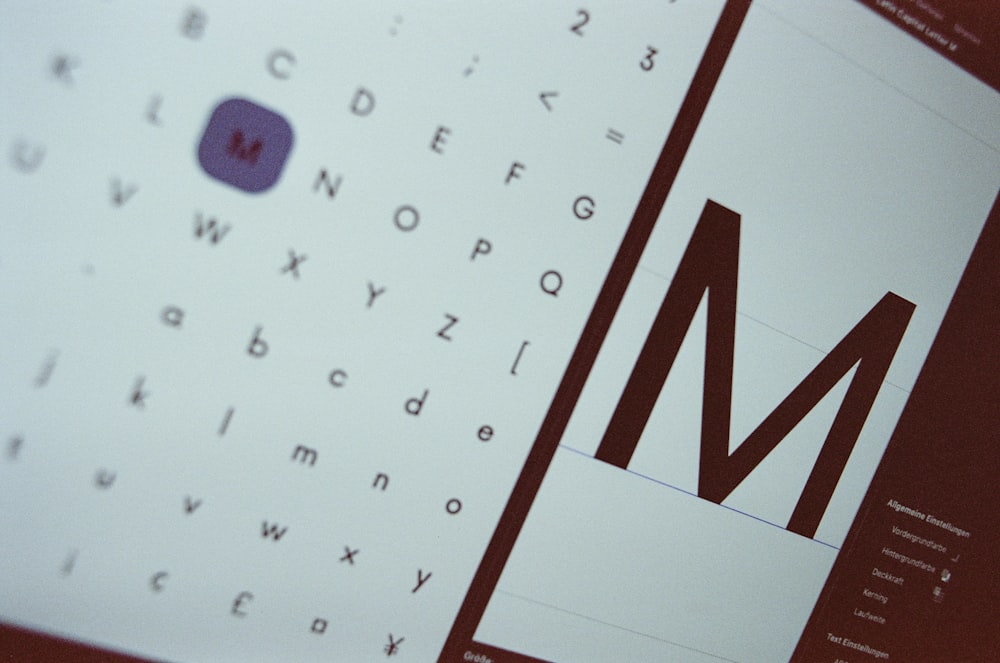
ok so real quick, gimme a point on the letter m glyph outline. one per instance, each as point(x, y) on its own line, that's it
point(711, 263)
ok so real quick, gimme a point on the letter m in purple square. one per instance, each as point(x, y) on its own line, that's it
point(245, 145)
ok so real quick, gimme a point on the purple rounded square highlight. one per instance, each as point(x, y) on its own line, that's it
point(245, 145)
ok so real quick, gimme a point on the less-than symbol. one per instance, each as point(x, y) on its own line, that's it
point(392, 648)
point(157, 580)
point(544, 97)
point(615, 136)
point(63, 66)
point(468, 70)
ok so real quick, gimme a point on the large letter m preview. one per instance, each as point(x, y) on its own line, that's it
point(711, 262)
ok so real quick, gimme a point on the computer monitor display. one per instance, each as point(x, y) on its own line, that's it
point(472, 332)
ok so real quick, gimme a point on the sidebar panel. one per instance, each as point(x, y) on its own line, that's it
point(917, 579)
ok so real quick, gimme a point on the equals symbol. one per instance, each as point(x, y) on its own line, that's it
point(616, 136)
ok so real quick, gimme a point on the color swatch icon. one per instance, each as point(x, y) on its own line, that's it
point(245, 145)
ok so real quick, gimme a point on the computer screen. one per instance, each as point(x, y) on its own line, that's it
point(553, 331)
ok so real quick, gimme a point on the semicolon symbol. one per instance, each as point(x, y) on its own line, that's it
point(468, 70)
